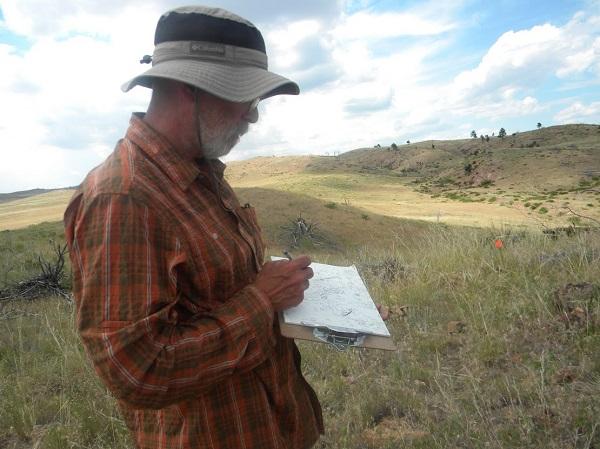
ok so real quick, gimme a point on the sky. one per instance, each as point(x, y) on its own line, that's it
point(370, 72)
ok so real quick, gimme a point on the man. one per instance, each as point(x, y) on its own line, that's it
point(175, 305)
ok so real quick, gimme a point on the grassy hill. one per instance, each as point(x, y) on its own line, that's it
point(34, 209)
point(5, 197)
point(531, 179)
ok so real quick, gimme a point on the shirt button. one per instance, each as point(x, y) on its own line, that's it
point(215, 236)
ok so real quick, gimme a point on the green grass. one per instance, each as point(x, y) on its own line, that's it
point(515, 377)
point(20, 249)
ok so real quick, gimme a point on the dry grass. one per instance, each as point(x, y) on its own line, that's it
point(33, 210)
point(485, 358)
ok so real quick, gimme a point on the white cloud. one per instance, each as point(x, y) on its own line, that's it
point(285, 42)
point(369, 25)
point(63, 109)
point(516, 59)
point(579, 113)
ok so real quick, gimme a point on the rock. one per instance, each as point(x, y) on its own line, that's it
point(564, 376)
point(384, 311)
point(576, 303)
point(456, 327)
point(399, 311)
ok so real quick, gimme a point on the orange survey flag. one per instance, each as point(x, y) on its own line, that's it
point(499, 244)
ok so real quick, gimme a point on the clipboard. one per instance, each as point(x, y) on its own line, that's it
point(340, 340)
point(337, 310)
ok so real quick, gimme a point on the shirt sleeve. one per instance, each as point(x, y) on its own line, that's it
point(124, 261)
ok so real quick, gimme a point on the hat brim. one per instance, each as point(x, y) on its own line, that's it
point(229, 82)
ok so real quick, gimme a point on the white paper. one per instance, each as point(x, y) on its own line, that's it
point(338, 299)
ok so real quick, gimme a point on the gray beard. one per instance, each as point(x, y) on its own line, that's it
point(214, 147)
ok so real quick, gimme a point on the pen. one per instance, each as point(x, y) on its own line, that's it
point(287, 254)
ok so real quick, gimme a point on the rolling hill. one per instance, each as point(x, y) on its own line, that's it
point(546, 177)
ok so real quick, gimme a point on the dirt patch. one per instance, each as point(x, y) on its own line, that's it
point(391, 430)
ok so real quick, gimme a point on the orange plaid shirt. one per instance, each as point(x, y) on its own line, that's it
point(163, 259)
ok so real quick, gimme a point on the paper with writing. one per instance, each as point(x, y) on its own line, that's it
point(338, 299)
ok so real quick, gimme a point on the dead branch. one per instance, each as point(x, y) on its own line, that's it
point(48, 281)
point(582, 216)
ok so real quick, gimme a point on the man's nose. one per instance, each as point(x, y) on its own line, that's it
point(251, 116)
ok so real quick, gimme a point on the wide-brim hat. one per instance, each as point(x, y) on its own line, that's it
point(215, 51)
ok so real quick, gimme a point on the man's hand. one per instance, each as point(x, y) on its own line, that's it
point(284, 281)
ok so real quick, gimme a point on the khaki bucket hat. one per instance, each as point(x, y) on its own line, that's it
point(214, 50)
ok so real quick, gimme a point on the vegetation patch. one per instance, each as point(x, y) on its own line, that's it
point(487, 355)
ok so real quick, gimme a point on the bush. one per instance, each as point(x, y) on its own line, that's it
point(331, 205)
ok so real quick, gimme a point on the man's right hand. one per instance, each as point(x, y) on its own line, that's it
point(284, 281)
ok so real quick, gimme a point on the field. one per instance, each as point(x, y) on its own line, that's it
point(34, 209)
point(497, 348)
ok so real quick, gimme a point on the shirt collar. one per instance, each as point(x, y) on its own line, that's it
point(181, 170)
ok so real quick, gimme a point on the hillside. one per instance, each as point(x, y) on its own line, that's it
point(35, 209)
point(547, 177)
point(529, 178)
point(5, 197)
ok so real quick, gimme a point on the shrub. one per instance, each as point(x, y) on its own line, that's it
point(331, 205)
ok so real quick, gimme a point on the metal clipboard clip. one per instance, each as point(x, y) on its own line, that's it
point(340, 340)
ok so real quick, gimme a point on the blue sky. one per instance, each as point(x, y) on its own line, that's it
point(378, 71)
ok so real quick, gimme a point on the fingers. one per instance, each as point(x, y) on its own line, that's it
point(300, 262)
point(285, 281)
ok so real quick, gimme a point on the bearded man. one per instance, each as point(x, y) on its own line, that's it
point(176, 307)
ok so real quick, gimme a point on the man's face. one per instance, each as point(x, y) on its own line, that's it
point(222, 123)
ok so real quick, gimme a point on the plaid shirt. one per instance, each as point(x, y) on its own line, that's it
point(164, 258)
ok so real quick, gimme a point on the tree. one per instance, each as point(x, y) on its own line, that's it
point(482, 138)
point(502, 133)
point(473, 134)
point(407, 142)
point(539, 125)
point(487, 138)
point(394, 147)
